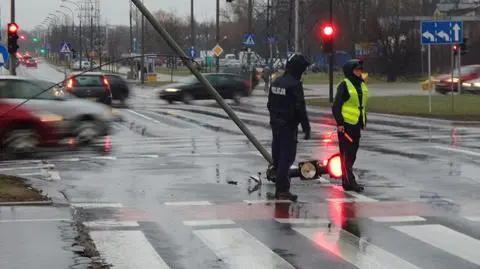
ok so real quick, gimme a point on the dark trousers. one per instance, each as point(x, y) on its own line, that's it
point(348, 153)
point(284, 150)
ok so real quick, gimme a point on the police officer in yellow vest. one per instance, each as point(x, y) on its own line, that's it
point(349, 110)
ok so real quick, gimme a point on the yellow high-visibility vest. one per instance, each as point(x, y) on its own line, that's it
point(352, 108)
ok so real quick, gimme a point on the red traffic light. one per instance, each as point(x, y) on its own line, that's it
point(327, 30)
point(12, 28)
point(334, 166)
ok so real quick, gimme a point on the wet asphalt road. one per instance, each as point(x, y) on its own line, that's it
point(174, 192)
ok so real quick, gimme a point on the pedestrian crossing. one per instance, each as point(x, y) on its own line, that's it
point(403, 242)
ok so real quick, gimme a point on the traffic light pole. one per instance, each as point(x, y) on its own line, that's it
point(330, 60)
point(13, 57)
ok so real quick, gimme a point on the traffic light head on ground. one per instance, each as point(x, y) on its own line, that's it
point(12, 37)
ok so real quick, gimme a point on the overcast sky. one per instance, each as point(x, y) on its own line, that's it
point(30, 13)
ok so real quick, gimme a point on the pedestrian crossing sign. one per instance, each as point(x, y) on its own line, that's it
point(65, 48)
point(249, 40)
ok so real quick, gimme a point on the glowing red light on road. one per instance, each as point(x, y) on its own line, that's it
point(335, 166)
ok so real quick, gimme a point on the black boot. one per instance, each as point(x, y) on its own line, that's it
point(286, 196)
point(356, 187)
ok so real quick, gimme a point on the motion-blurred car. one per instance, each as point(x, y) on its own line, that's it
point(256, 76)
point(21, 131)
point(31, 62)
point(82, 119)
point(471, 86)
point(443, 83)
point(229, 86)
point(93, 86)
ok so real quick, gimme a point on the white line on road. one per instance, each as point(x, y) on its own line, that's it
point(304, 221)
point(30, 174)
point(143, 116)
point(463, 151)
point(110, 224)
point(238, 249)
point(446, 239)
point(54, 175)
point(473, 218)
point(208, 222)
point(97, 205)
point(127, 250)
point(358, 197)
point(398, 219)
point(363, 255)
point(32, 220)
point(47, 166)
point(188, 203)
point(267, 201)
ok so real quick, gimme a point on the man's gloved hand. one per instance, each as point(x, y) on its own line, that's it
point(307, 134)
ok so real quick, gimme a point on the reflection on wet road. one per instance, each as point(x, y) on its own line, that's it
point(175, 192)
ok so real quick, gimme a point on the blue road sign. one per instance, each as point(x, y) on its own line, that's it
point(249, 40)
point(3, 55)
point(65, 47)
point(191, 52)
point(441, 32)
point(271, 40)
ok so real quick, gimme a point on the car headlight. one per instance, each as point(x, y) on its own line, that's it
point(455, 80)
point(476, 84)
point(465, 84)
point(48, 117)
point(171, 90)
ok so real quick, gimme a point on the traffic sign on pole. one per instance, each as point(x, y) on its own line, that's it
point(3, 55)
point(65, 48)
point(249, 40)
point(217, 50)
point(191, 52)
point(441, 32)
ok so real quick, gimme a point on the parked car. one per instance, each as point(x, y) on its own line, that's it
point(22, 131)
point(443, 83)
point(229, 86)
point(119, 87)
point(93, 86)
point(79, 118)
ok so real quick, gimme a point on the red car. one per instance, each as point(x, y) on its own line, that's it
point(23, 132)
point(443, 83)
point(31, 62)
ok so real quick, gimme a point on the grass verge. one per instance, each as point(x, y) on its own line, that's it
point(465, 107)
point(15, 189)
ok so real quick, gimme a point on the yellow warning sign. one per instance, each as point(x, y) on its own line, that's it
point(217, 50)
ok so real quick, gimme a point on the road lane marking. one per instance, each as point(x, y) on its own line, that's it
point(267, 201)
point(303, 221)
point(143, 116)
point(446, 239)
point(47, 166)
point(110, 224)
point(463, 151)
point(398, 219)
point(32, 220)
point(354, 250)
point(188, 203)
point(473, 218)
point(214, 222)
point(97, 205)
point(127, 250)
point(358, 197)
point(239, 250)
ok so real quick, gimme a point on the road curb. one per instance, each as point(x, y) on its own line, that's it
point(28, 203)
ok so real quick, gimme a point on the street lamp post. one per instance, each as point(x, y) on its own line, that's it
point(80, 35)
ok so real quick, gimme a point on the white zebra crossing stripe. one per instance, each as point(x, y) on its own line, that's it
point(473, 218)
point(97, 205)
point(208, 222)
point(398, 219)
point(188, 203)
point(446, 239)
point(304, 221)
point(110, 224)
point(127, 250)
point(355, 251)
point(240, 250)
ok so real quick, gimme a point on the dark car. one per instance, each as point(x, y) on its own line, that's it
point(443, 83)
point(94, 86)
point(22, 131)
point(229, 86)
point(119, 87)
point(31, 62)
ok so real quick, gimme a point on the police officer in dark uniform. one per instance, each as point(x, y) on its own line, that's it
point(349, 110)
point(286, 104)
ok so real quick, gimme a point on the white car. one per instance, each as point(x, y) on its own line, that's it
point(79, 118)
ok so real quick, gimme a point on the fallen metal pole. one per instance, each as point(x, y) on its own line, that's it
point(176, 48)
